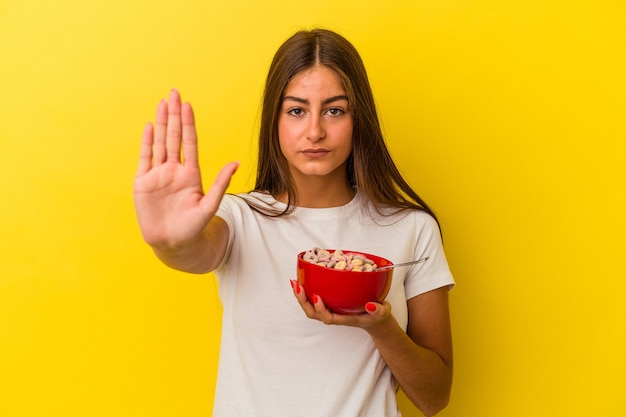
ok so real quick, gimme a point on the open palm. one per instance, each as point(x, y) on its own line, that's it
point(172, 208)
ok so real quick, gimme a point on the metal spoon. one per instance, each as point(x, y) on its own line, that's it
point(419, 261)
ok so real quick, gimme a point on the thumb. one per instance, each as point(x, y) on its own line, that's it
point(378, 310)
point(214, 196)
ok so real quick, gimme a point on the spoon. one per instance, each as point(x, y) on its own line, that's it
point(419, 261)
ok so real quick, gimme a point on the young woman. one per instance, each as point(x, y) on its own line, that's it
point(324, 179)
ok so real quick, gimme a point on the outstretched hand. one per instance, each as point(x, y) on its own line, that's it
point(172, 208)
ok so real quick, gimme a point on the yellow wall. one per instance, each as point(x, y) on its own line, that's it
point(507, 116)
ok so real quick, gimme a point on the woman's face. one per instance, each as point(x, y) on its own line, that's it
point(315, 126)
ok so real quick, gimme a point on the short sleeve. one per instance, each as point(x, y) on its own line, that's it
point(435, 272)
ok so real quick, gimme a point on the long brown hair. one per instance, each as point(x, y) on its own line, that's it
point(370, 167)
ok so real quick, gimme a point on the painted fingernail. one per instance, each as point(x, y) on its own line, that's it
point(298, 289)
point(315, 298)
point(293, 284)
point(371, 307)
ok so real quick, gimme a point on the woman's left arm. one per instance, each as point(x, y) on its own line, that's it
point(420, 359)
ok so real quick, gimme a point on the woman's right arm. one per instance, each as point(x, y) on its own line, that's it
point(177, 219)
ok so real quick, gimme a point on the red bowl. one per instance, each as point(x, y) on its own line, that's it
point(345, 292)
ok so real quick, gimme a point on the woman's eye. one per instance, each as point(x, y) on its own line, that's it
point(335, 111)
point(296, 112)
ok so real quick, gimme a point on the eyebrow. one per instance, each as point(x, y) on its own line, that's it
point(305, 101)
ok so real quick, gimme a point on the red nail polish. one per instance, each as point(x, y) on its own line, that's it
point(298, 289)
point(293, 284)
point(371, 307)
point(315, 298)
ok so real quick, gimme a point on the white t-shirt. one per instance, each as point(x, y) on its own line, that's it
point(274, 361)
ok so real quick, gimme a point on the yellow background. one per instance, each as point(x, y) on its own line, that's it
point(509, 117)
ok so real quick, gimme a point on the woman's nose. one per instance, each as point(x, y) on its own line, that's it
point(316, 129)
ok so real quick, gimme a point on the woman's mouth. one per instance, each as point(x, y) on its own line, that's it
point(315, 153)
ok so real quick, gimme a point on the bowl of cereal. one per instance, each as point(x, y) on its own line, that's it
point(345, 280)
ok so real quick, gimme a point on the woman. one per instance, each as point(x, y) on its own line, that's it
point(324, 178)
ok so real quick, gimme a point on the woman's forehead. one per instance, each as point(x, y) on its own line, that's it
point(314, 81)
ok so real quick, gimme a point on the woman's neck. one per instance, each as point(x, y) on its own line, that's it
point(322, 194)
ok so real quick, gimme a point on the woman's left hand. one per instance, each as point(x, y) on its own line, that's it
point(375, 313)
point(420, 357)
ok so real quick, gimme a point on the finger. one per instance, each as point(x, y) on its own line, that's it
point(174, 127)
point(160, 128)
point(145, 152)
point(214, 196)
point(377, 310)
point(190, 138)
point(324, 314)
point(372, 308)
point(300, 294)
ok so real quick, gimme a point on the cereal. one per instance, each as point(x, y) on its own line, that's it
point(349, 261)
